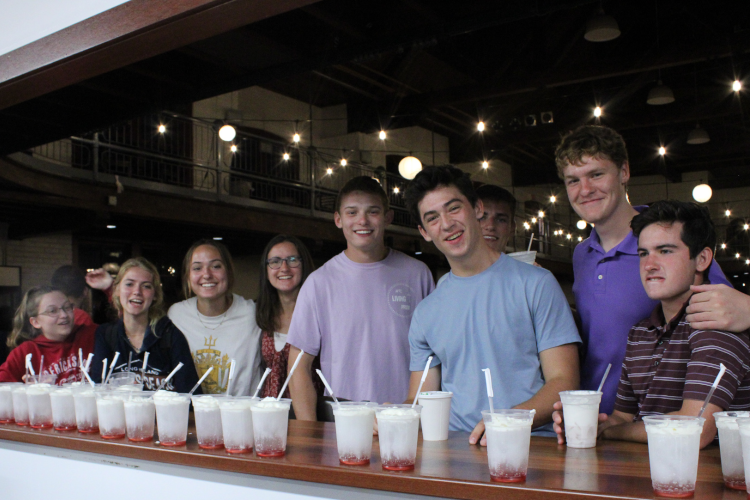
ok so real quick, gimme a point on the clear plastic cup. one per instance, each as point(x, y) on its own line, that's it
point(527, 257)
point(237, 423)
point(270, 426)
point(673, 445)
point(63, 409)
point(436, 414)
point(6, 402)
point(45, 378)
point(398, 432)
point(730, 446)
point(354, 423)
point(84, 400)
point(581, 416)
point(208, 421)
point(140, 415)
point(508, 435)
point(20, 405)
point(744, 427)
point(111, 412)
point(40, 406)
point(172, 410)
point(123, 378)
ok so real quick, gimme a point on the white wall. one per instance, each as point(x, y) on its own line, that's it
point(39, 257)
point(24, 21)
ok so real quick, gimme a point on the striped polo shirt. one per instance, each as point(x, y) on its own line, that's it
point(667, 363)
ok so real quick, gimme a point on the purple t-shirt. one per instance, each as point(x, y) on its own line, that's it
point(610, 300)
point(357, 316)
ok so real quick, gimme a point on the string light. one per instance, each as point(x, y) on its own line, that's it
point(746, 227)
point(723, 246)
point(597, 112)
point(233, 148)
point(227, 133)
point(526, 226)
point(382, 135)
point(569, 236)
point(485, 165)
point(727, 212)
point(581, 224)
point(296, 137)
point(580, 238)
point(343, 162)
point(395, 190)
point(736, 256)
point(286, 156)
point(480, 126)
point(541, 214)
point(747, 261)
point(737, 85)
point(329, 171)
point(162, 129)
point(111, 226)
point(533, 219)
point(662, 150)
point(552, 198)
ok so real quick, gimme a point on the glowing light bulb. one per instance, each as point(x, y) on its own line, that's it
point(597, 111)
point(541, 214)
point(286, 157)
point(233, 148)
point(533, 219)
point(736, 256)
point(581, 224)
point(329, 171)
point(343, 162)
point(747, 261)
point(526, 226)
point(396, 190)
point(382, 135)
point(580, 238)
point(662, 150)
point(552, 199)
point(737, 85)
point(485, 165)
point(480, 126)
point(568, 235)
point(746, 227)
point(723, 246)
point(162, 129)
point(727, 213)
point(227, 133)
point(296, 137)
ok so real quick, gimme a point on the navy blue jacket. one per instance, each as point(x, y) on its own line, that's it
point(162, 358)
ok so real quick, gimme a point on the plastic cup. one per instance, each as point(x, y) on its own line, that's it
point(673, 445)
point(140, 415)
point(436, 414)
point(270, 426)
point(730, 446)
point(398, 431)
point(45, 378)
point(581, 416)
point(87, 417)
point(6, 402)
point(208, 421)
point(237, 423)
point(122, 378)
point(527, 257)
point(111, 412)
point(508, 438)
point(744, 428)
point(40, 406)
point(354, 423)
point(20, 405)
point(172, 410)
point(63, 409)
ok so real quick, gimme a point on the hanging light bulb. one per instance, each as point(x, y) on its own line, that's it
point(382, 135)
point(661, 94)
point(746, 227)
point(723, 246)
point(296, 137)
point(162, 129)
point(526, 226)
point(736, 85)
point(233, 148)
point(662, 150)
point(581, 224)
point(286, 156)
point(569, 236)
point(702, 193)
point(485, 165)
point(552, 198)
point(541, 214)
point(480, 127)
point(227, 133)
point(728, 212)
point(736, 256)
point(409, 167)
point(598, 111)
point(698, 136)
point(343, 162)
point(601, 28)
point(329, 171)
point(395, 190)
point(533, 219)
point(580, 238)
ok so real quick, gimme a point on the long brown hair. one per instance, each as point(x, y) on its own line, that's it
point(156, 311)
point(268, 308)
point(226, 258)
point(22, 328)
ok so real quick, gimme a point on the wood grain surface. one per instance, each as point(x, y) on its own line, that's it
point(451, 468)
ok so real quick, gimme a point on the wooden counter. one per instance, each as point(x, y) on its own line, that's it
point(449, 468)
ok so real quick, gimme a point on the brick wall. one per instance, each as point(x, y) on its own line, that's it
point(39, 257)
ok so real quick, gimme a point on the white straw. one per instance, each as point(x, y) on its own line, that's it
point(41, 365)
point(104, 370)
point(231, 377)
point(291, 372)
point(80, 358)
point(169, 377)
point(143, 367)
point(488, 381)
point(722, 369)
point(606, 372)
point(424, 376)
point(325, 383)
point(210, 369)
point(88, 378)
point(530, 242)
point(88, 361)
point(112, 367)
point(130, 360)
point(260, 384)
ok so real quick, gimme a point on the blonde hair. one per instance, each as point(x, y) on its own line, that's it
point(156, 311)
point(22, 328)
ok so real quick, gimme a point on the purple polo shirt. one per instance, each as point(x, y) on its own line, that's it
point(610, 300)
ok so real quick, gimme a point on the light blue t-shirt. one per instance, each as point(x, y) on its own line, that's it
point(499, 319)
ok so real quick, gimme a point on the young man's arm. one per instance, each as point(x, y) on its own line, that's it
point(431, 383)
point(718, 307)
point(301, 386)
point(560, 370)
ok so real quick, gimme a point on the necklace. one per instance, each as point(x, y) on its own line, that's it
point(223, 317)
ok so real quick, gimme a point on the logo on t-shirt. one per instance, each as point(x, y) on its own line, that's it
point(216, 382)
point(401, 300)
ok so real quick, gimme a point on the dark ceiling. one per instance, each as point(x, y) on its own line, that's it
point(445, 65)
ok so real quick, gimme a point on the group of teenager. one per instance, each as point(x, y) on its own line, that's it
point(652, 302)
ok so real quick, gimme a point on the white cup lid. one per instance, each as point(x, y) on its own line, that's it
point(435, 395)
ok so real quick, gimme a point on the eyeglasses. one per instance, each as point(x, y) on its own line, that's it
point(275, 262)
point(54, 312)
